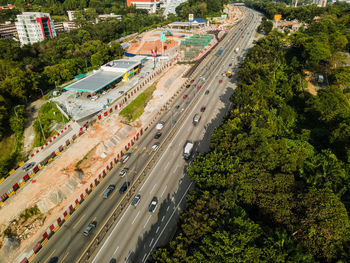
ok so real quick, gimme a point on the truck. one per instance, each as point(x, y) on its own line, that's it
point(188, 150)
point(219, 52)
point(196, 119)
point(229, 74)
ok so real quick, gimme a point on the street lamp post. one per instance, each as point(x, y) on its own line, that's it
point(42, 93)
point(41, 127)
point(15, 110)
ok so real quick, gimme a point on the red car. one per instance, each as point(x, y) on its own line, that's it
point(185, 96)
point(199, 87)
point(192, 80)
point(220, 81)
point(203, 109)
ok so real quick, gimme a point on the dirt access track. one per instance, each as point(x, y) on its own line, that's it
point(58, 184)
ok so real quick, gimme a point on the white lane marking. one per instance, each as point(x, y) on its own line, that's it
point(175, 169)
point(150, 244)
point(163, 218)
point(168, 208)
point(147, 221)
point(115, 251)
point(170, 218)
point(152, 188)
point(144, 183)
point(166, 167)
point(164, 190)
point(157, 230)
point(106, 242)
point(128, 256)
point(143, 259)
point(133, 221)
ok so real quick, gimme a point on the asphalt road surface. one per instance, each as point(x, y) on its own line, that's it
point(139, 231)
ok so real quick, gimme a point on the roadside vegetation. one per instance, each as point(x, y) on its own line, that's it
point(50, 121)
point(137, 106)
point(275, 185)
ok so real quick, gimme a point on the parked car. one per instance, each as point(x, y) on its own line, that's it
point(89, 229)
point(123, 172)
point(27, 166)
point(157, 136)
point(153, 204)
point(185, 96)
point(203, 109)
point(108, 191)
point(124, 187)
point(136, 200)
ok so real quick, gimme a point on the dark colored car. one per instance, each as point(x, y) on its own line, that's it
point(27, 166)
point(177, 106)
point(124, 187)
point(192, 80)
point(53, 260)
point(220, 81)
point(90, 228)
point(230, 64)
point(153, 204)
point(206, 92)
point(203, 109)
point(113, 260)
point(108, 191)
point(158, 134)
point(185, 96)
point(188, 85)
point(136, 200)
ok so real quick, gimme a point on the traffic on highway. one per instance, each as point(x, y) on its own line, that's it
point(158, 161)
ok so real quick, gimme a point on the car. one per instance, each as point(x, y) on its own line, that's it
point(220, 81)
point(158, 134)
point(185, 96)
point(188, 85)
point(113, 260)
point(155, 146)
point(123, 172)
point(90, 228)
point(203, 109)
point(124, 187)
point(160, 125)
point(199, 87)
point(108, 191)
point(177, 106)
point(93, 98)
point(136, 200)
point(121, 91)
point(230, 64)
point(125, 157)
point(173, 122)
point(153, 205)
point(206, 92)
point(192, 80)
point(27, 166)
point(53, 260)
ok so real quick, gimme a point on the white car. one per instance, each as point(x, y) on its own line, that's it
point(160, 125)
point(155, 146)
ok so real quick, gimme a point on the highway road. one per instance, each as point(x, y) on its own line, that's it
point(138, 231)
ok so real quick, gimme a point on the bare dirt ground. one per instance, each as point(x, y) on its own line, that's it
point(311, 88)
point(104, 138)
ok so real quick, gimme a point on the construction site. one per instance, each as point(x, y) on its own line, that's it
point(26, 215)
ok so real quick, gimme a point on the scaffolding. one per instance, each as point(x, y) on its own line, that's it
point(192, 47)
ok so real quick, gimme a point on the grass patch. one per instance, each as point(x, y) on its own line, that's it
point(7, 145)
point(137, 106)
point(77, 165)
point(48, 115)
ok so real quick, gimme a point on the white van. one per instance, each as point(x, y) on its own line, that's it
point(196, 119)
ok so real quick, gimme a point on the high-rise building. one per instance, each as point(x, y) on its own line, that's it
point(33, 27)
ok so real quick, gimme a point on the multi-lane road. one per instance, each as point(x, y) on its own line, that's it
point(138, 231)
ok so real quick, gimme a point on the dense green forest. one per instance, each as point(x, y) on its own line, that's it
point(200, 8)
point(23, 70)
point(274, 186)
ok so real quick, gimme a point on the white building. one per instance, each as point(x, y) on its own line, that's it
point(111, 15)
point(71, 16)
point(33, 27)
point(151, 5)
